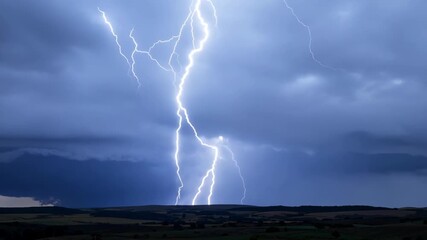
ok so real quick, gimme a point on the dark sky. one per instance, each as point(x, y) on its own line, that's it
point(76, 130)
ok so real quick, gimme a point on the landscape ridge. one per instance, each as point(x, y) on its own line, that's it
point(222, 221)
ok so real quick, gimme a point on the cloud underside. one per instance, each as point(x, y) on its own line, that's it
point(66, 98)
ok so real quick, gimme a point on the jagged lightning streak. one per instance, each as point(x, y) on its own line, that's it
point(116, 37)
point(233, 158)
point(148, 53)
point(310, 38)
point(182, 111)
point(174, 50)
point(194, 17)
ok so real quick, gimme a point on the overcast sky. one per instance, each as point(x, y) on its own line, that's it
point(72, 120)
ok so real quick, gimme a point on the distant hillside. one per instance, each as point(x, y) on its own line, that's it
point(310, 209)
point(41, 210)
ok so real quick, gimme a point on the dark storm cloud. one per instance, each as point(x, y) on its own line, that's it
point(77, 139)
point(36, 36)
point(298, 178)
point(354, 163)
point(86, 183)
point(64, 89)
point(54, 57)
point(296, 98)
point(361, 141)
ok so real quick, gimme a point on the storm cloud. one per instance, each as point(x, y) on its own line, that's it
point(303, 133)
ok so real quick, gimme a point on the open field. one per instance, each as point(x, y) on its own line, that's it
point(214, 222)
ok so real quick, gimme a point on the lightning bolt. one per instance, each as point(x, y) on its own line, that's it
point(310, 37)
point(194, 17)
point(182, 112)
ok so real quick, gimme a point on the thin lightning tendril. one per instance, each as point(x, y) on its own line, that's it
point(133, 57)
point(310, 38)
point(214, 12)
point(116, 37)
point(148, 53)
point(239, 171)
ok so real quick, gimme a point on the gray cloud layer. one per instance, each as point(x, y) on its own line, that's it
point(64, 88)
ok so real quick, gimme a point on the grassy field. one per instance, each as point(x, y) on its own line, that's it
point(214, 222)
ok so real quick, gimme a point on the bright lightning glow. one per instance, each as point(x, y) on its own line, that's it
point(310, 42)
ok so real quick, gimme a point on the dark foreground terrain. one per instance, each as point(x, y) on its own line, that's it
point(214, 222)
